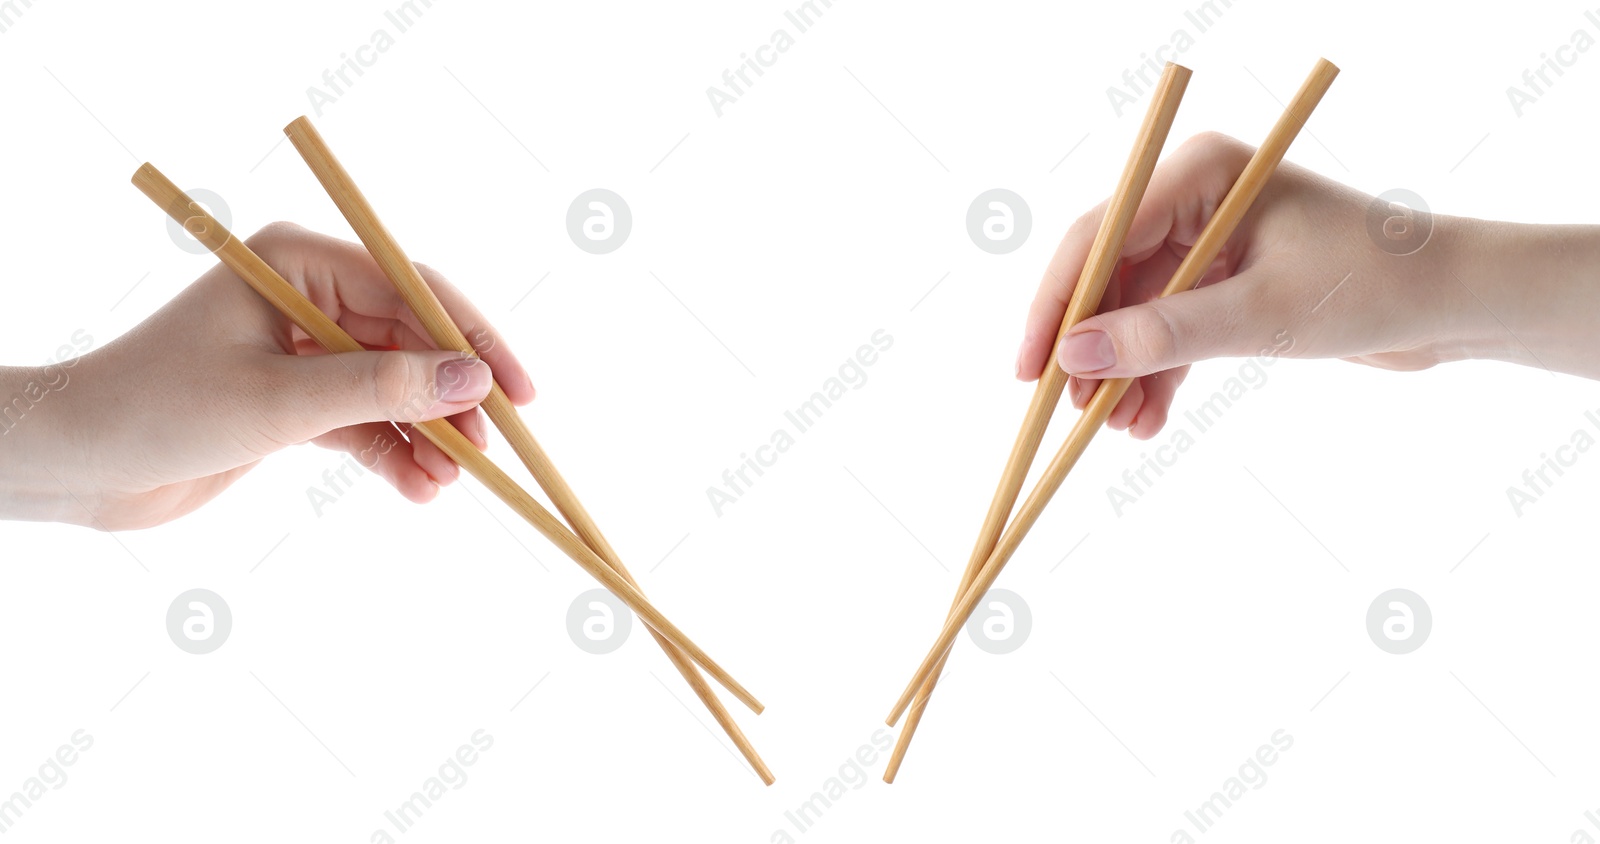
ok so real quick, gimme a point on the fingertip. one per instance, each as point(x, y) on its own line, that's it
point(480, 429)
point(514, 381)
point(461, 382)
point(410, 479)
point(434, 465)
point(1159, 392)
point(1147, 424)
point(1127, 409)
point(446, 474)
point(1085, 392)
point(1147, 421)
point(519, 391)
point(473, 425)
point(1030, 363)
point(1087, 351)
point(417, 486)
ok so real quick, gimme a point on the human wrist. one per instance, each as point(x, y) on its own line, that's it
point(35, 422)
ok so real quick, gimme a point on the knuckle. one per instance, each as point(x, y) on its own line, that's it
point(393, 390)
point(273, 234)
point(1152, 336)
point(1216, 148)
point(1087, 221)
point(1209, 141)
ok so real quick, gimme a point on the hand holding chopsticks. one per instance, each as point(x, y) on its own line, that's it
point(1190, 270)
point(299, 310)
point(1097, 269)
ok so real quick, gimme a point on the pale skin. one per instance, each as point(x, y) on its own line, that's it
point(1476, 289)
point(163, 419)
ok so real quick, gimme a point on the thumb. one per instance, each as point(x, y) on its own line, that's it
point(1218, 320)
point(319, 393)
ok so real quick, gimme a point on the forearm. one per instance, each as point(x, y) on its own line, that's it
point(1532, 293)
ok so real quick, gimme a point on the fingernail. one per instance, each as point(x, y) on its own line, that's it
point(463, 379)
point(1090, 351)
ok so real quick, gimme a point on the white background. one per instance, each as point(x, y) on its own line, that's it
point(1217, 610)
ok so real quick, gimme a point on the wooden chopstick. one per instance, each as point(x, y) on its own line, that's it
point(294, 305)
point(1193, 267)
point(353, 204)
point(1100, 263)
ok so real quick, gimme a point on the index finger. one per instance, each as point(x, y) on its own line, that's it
point(489, 343)
point(340, 275)
point(1055, 291)
point(1183, 191)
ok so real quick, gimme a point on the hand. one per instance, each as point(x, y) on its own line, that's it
point(1302, 277)
point(163, 419)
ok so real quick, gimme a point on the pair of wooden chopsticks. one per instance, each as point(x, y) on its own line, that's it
point(994, 548)
point(588, 547)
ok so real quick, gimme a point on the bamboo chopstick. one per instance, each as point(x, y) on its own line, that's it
point(294, 305)
point(1193, 267)
point(392, 259)
point(1101, 261)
